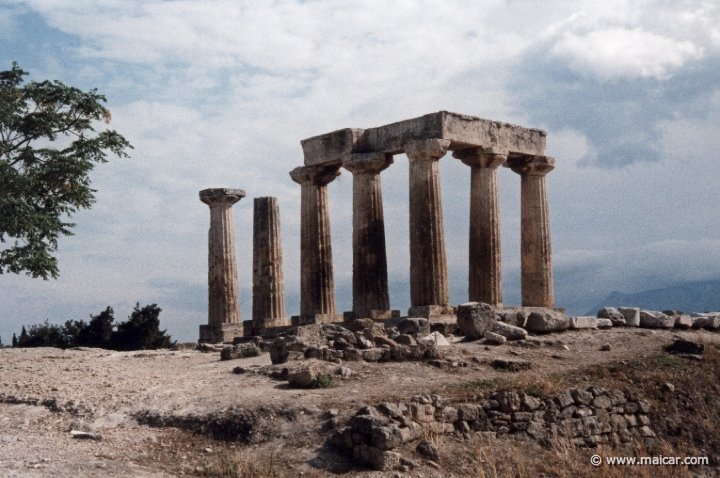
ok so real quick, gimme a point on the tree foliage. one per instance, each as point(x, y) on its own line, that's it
point(140, 332)
point(47, 149)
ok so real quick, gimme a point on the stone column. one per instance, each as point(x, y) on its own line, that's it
point(485, 271)
point(370, 281)
point(222, 267)
point(268, 285)
point(317, 288)
point(536, 257)
point(429, 293)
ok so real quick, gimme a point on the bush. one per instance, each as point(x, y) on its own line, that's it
point(140, 332)
point(323, 381)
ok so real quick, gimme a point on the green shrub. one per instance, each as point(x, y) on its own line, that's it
point(323, 381)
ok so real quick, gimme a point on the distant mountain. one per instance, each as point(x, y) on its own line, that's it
point(697, 296)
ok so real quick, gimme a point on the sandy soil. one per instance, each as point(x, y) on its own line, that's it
point(46, 392)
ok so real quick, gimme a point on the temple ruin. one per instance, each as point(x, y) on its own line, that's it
point(481, 144)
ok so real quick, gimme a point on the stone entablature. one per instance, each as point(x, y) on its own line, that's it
point(462, 131)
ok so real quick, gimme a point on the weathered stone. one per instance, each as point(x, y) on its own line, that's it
point(631, 315)
point(305, 375)
point(222, 265)
point(372, 355)
point(422, 413)
point(468, 412)
point(615, 316)
point(655, 320)
point(494, 338)
point(513, 365)
point(508, 402)
point(317, 286)
point(386, 438)
point(239, 351)
point(529, 403)
point(536, 257)
point(683, 322)
point(474, 318)
point(428, 262)
point(364, 424)
point(508, 331)
point(449, 414)
point(417, 327)
point(383, 460)
point(370, 283)
point(587, 322)
point(581, 397)
point(381, 340)
point(606, 347)
point(405, 340)
point(485, 271)
point(564, 399)
point(268, 305)
point(428, 449)
point(536, 431)
point(435, 339)
point(604, 323)
point(547, 321)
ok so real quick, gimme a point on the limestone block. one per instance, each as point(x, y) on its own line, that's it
point(494, 338)
point(474, 318)
point(615, 316)
point(683, 322)
point(508, 331)
point(548, 321)
point(587, 322)
point(435, 339)
point(428, 449)
point(383, 460)
point(386, 438)
point(655, 320)
point(468, 412)
point(632, 316)
point(414, 326)
point(304, 376)
point(604, 323)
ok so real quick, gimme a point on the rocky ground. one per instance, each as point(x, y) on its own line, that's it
point(157, 413)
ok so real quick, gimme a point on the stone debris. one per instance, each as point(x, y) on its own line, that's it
point(604, 323)
point(606, 347)
point(587, 322)
point(632, 316)
point(683, 322)
point(575, 417)
point(474, 318)
point(82, 435)
point(509, 331)
point(547, 321)
point(360, 340)
point(512, 365)
point(232, 352)
point(494, 338)
point(656, 320)
point(613, 314)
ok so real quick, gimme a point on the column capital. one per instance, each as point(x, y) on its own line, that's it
point(531, 165)
point(315, 175)
point(426, 149)
point(481, 157)
point(367, 163)
point(219, 197)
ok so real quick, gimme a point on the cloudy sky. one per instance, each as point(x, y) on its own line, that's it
point(220, 93)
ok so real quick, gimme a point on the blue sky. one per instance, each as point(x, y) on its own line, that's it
point(219, 94)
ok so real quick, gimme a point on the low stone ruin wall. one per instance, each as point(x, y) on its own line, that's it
point(583, 418)
point(362, 339)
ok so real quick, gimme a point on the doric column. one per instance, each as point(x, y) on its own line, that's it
point(536, 257)
point(428, 263)
point(222, 266)
point(370, 281)
point(485, 272)
point(317, 288)
point(268, 285)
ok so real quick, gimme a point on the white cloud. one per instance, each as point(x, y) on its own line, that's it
point(620, 52)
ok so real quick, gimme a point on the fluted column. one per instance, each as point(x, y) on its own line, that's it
point(317, 288)
point(536, 256)
point(370, 280)
point(268, 284)
point(485, 266)
point(428, 263)
point(222, 266)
